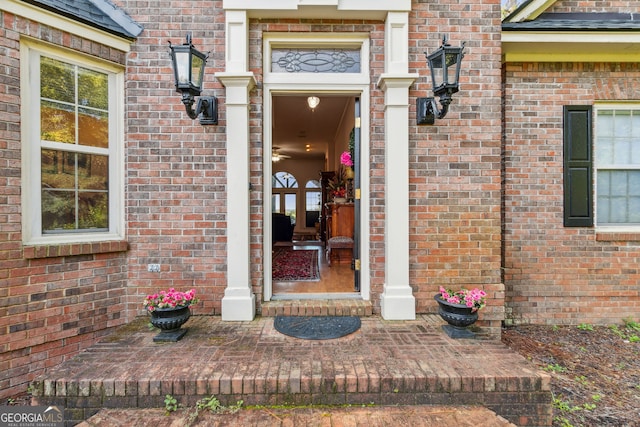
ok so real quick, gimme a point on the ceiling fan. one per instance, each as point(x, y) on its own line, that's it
point(276, 156)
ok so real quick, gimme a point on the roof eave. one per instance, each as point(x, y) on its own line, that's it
point(529, 10)
point(64, 23)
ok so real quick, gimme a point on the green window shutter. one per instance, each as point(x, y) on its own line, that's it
point(578, 166)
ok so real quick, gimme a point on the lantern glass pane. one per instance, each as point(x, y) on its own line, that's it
point(197, 64)
point(182, 68)
point(451, 61)
point(437, 74)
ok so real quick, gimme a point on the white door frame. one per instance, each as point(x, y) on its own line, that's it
point(361, 91)
point(347, 84)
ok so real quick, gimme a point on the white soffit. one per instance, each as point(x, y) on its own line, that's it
point(558, 46)
point(319, 9)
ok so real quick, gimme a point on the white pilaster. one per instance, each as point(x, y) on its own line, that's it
point(397, 300)
point(238, 303)
point(236, 53)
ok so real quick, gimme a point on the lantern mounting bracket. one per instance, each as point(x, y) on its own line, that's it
point(206, 108)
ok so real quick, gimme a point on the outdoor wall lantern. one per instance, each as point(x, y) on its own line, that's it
point(445, 73)
point(188, 68)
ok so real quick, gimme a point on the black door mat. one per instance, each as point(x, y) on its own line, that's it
point(316, 327)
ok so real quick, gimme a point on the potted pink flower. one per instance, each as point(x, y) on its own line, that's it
point(346, 162)
point(460, 309)
point(169, 310)
point(345, 159)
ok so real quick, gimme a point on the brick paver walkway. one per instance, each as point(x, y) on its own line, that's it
point(384, 363)
point(404, 416)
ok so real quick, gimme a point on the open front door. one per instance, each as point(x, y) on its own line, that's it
point(356, 199)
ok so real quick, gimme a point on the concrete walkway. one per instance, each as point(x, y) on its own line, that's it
point(385, 363)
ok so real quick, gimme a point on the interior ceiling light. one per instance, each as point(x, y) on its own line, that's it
point(276, 156)
point(313, 102)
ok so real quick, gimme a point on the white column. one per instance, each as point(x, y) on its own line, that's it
point(238, 303)
point(397, 300)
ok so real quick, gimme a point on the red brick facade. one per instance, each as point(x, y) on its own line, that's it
point(54, 301)
point(485, 186)
point(553, 274)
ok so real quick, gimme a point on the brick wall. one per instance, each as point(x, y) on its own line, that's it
point(176, 168)
point(455, 164)
point(54, 300)
point(553, 274)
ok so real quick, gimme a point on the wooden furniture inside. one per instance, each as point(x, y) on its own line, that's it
point(340, 228)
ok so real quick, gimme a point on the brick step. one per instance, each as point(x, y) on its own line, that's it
point(317, 307)
point(383, 363)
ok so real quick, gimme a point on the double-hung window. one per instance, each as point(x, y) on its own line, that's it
point(72, 139)
point(617, 165)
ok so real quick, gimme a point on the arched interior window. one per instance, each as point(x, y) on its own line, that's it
point(284, 194)
point(313, 200)
point(284, 180)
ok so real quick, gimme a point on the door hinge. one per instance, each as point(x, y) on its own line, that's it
point(357, 194)
point(358, 122)
point(356, 264)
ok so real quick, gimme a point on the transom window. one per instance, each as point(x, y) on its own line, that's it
point(341, 58)
point(73, 148)
point(617, 162)
point(296, 60)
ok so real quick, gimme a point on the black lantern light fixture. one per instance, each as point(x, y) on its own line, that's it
point(445, 74)
point(188, 68)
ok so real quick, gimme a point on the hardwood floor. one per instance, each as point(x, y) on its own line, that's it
point(333, 280)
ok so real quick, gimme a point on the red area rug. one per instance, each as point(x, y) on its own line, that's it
point(295, 265)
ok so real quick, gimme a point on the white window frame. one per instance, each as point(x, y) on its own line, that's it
point(30, 53)
point(626, 105)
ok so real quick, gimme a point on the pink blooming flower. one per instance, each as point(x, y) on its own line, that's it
point(474, 298)
point(345, 159)
point(170, 299)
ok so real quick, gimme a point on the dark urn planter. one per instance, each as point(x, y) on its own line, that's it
point(169, 321)
point(458, 317)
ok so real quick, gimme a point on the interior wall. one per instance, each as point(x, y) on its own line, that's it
point(341, 142)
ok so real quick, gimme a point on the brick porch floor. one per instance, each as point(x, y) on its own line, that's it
point(384, 363)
